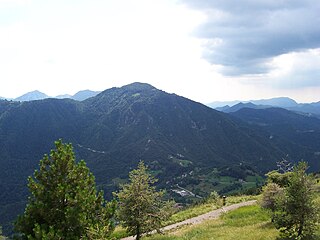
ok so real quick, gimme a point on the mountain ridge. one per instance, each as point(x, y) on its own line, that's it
point(276, 102)
point(116, 129)
point(37, 95)
point(282, 102)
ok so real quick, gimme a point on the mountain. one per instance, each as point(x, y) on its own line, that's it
point(30, 96)
point(283, 102)
point(310, 108)
point(298, 134)
point(84, 94)
point(313, 109)
point(239, 106)
point(37, 95)
point(118, 127)
point(220, 104)
point(63, 96)
point(290, 104)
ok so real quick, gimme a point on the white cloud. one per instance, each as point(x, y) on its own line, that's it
point(251, 33)
point(64, 46)
point(67, 46)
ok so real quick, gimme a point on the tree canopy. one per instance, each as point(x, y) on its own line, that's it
point(1, 237)
point(63, 201)
point(296, 214)
point(141, 208)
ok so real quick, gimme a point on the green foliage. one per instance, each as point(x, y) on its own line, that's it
point(270, 193)
point(296, 213)
point(144, 123)
point(137, 121)
point(246, 223)
point(281, 179)
point(64, 203)
point(1, 237)
point(141, 208)
point(246, 216)
point(214, 198)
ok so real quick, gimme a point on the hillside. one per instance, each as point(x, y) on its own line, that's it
point(31, 96)
point(309, 109)
point(182, 141)
point(297, 133)
point(283, 102)
point(246, 223)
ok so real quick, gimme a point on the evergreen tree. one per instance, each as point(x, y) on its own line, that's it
point(270, 195)
point(1, 237)
point(297, 214)
point(64, 203)
point(141, 208)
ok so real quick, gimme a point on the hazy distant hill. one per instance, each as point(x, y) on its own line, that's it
point(298, 134)
point(282, 102)
point(114, 130)
point(312, 108)
point(37, 95)
point(63, 96)
point(84, 94)
point(239, 106)
point(30, 96)
point(80, 96)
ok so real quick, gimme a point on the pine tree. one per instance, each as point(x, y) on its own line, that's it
point(141, 208)
point(297, 214)
point(270, 195)
point(1, 237)
point(64, 202)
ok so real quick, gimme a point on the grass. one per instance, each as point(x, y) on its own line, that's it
point(190, 212)
point(199, 209)
point(119, 233)
point(245, 223)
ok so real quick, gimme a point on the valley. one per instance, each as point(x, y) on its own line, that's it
point(191, 148)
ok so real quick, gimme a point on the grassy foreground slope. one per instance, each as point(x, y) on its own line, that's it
point(191, 212)
point(245, 223)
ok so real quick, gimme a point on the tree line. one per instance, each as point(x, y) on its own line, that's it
point(64, 202)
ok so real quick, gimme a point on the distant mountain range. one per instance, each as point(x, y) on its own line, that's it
point(282, 102)
point(175, 136)
point(297, 133)
point(37, 95)
point(277, 102)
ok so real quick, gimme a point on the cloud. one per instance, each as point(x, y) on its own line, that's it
point(296, 70)
point(244, 36)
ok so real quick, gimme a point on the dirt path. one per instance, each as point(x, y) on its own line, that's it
point(210, 215)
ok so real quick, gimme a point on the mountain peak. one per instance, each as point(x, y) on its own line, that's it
point(84, 94)
point(138, 86)
point(276, 102)
point(30, 96)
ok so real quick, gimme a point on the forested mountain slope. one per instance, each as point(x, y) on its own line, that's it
point(115, 129)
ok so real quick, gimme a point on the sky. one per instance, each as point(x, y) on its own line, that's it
point(205, 50)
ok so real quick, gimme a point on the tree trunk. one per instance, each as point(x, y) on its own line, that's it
point(300, 229)
point(138, 233)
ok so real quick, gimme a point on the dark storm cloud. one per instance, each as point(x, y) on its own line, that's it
point(244, 35)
